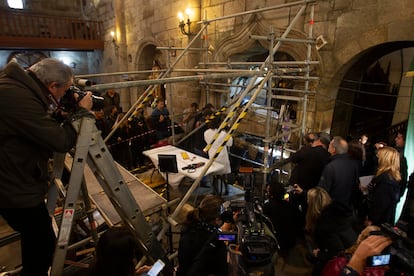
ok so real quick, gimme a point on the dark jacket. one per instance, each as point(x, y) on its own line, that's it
point(333, 230)
point(28, 137)
point(383, 196)
point(200, 252)
point(310, 162)
point(340, 178)
point(109, 102)
point(286, 220)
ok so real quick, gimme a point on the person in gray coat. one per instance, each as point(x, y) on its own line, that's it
point(29, 134)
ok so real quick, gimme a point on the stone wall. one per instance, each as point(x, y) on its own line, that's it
point(351, 28)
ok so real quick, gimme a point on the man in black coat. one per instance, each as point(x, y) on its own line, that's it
point(340, 177)
point(310, 162)
point(29, 134)
point(286, 219)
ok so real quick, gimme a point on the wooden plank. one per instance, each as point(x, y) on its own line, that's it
point(49, 43)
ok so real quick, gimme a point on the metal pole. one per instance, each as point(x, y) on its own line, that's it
point(258, 10)
point(266, 141)
point(116, 74)
point(279, 63)
point(308, 58)
point(230, 114)
point(253, 80)
point(173, 79)
point(286, 63)
point(180, 48)
point(148, 92)
point(171, 104)
point(213, 158)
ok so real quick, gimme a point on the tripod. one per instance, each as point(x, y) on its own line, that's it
point(90, 149)
point(167, 163)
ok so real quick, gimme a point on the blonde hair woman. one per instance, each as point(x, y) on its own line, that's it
point(318, 199)
point(384, 189)
point(329, 225)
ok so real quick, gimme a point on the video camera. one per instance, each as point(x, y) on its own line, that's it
point(399, 256)
point(69, 103)
point(257, 243)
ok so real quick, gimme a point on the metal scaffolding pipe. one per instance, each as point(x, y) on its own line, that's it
point(181, 48)
point(308, 57)
point(279, 63)
point(287, 63)
point(224, 70)
point(232, 110)
point(126, 84)
point(304, 2)
point(306, 77)
point(288, 98)
point(309, 41)
point(151, 88)
point(294, 90)
point(118, 74)
point(266, 141)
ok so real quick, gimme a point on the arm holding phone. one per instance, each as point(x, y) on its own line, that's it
point(153, 270)
point(373, 245)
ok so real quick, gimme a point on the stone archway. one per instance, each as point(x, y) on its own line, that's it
point(370, 91)
point(241, 41)
point(343, 58)
point(146, 55)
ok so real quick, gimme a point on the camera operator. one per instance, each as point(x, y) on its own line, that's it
point(200, 252)
point(29, 134)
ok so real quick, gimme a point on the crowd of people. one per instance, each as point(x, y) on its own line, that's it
point(328, 207)
point(150, 127)
point(328, 201)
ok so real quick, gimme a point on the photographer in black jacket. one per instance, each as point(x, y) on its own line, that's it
point(200, 253)
point(29, 134)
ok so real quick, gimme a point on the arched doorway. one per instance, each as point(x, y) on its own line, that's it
point(372, 93)
point(148, 56)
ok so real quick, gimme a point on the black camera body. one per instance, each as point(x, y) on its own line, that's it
point(399, 256)
point(69, 103)
point(257, 244)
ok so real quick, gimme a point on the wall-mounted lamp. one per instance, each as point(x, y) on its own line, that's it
point(182, 24)
point(113, 35)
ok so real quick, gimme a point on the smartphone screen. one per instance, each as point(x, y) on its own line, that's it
point(155, 269)
point(379, 260)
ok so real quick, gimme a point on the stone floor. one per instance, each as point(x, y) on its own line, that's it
point(295, 264)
